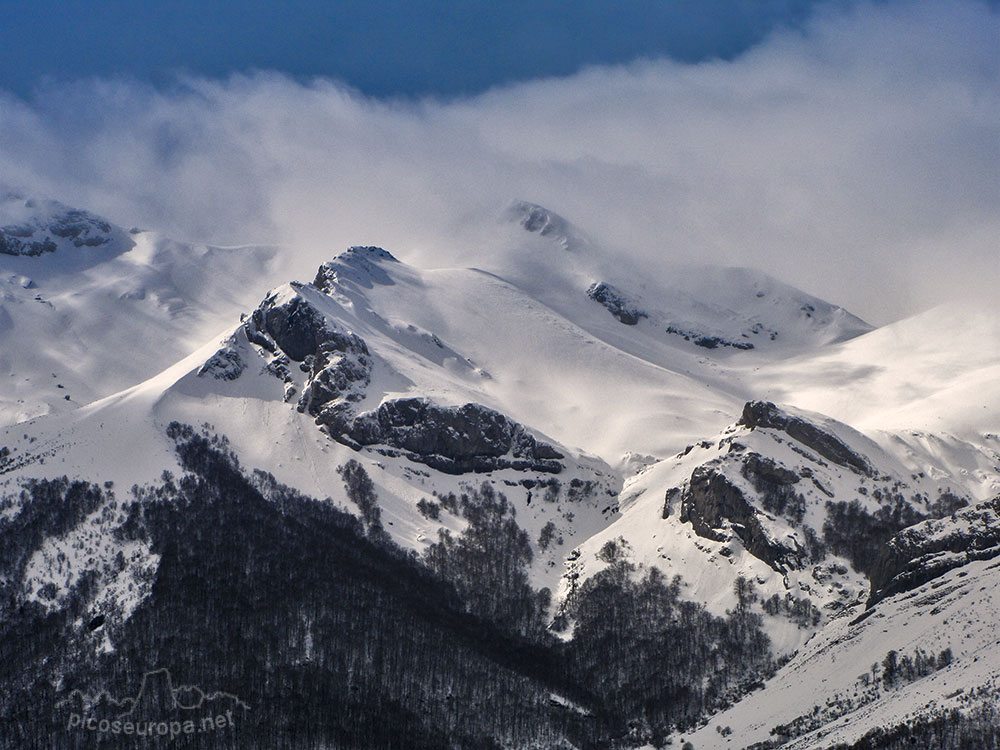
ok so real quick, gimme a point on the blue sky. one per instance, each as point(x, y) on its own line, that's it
point(381, 47)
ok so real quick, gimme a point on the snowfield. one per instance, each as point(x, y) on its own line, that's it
point(610, 407)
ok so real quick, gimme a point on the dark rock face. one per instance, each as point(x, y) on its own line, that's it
point(712, 502)
point(295, 327)
point(615, 303)
point(709, 342)
point(765, 414)
point(35, 238)
point(539, 220)
point(225, 364)
point(12, 244)
point(930, 549)
point(337, 360)
point(671, 495)
point(452, 439)
point(82, 228)
point(338, 363)
point(776, 486)
point(335, 374)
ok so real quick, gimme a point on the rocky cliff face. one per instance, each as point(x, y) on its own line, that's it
point(615, 303)
point(290, 330)
point(707, 341)
point(930, 549)
point(336, 361)
point(829, 446)
point(40, 235)
point(539, 220)
point(713, 502)
point(452, 439)
point(806, 496)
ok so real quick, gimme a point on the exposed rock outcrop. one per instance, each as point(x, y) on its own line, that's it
point(713, 503)
point(545, 223)
point(289, 328)
point(225, 364)
point(930, 549)
point(708, 341)
point(336, 360)
point(35, 237)
point(452, 439)
point(14, 241)
point(294, 326)
point(359, 267)
point(538, 219)
point(615, 302)
point(765, 414)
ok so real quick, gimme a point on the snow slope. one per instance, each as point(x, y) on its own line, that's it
point(82, 321)
point(937, 371)
point(635, 387)
point(686, 516)
point(539, 350)
point(835, 689)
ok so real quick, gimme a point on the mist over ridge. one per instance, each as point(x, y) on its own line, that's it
point(855, 159)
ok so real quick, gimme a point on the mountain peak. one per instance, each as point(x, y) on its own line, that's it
point(371, 252)
point(361, 264)
point(539, 220)
point(31, 227)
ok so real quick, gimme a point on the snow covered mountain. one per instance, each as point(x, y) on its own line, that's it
point(896, 670)
point(88, 308)
point(550, 433)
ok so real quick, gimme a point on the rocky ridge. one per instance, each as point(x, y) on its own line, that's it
point(928, 550)
point(290, 331)
point(44, 228)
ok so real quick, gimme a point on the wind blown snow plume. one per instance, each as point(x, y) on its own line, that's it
point(855, 159)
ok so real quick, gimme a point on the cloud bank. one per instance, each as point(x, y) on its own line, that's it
point(856, 159)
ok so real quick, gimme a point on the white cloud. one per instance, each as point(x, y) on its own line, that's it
point(857, 160)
